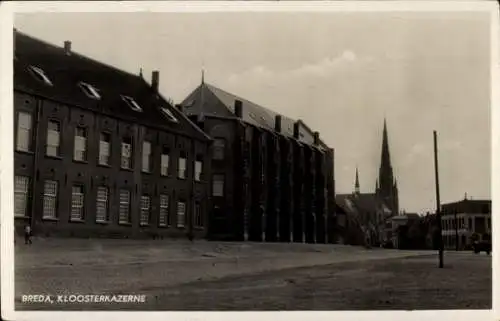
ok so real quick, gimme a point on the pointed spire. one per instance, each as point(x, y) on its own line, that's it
point(387, 185)
point(201, 116)
point(356, 183)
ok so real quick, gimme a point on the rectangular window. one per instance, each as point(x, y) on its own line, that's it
point(80, 153)
point(181, 169)
point(218, 185)
point(102, 206)
point(77, 203)
point(219, 148)
point(24, 136)
point(145, 209)
point(164, 218)
point(181, 214)
point(53, 138)
point(198, 168)
point(198, 217)
point(21, 189)
point(50, 199)
point(104, 149)
point(165, 161)
point(124, 215)
point(126, 159)
point(146, 156)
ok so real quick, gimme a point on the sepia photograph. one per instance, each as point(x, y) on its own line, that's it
point(335, 160)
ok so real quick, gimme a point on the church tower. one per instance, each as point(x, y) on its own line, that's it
point(387, 187)
point(356, 183)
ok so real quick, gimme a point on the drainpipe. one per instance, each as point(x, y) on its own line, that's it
point(192, 196)
point(35, 163)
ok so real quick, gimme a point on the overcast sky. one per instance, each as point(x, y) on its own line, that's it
point(342, 73)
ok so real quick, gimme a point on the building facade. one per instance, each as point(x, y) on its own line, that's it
point(272, 177)
point(465, 221)
point(99, 152)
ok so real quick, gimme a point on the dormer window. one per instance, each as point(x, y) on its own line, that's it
point(167, 112)
point(90, 90)
point(40, 75)
point(132, 103)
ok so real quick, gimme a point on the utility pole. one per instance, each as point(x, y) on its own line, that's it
point(456, 231)
point(438, 203)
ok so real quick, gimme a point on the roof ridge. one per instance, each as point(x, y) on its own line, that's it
point(79, 55)
point(266, 109)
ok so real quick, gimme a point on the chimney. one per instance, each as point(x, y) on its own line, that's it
point(296, 130)
point(238, 108)
point(155, 80)
point(67, 47)
point(277, 123)
point(316, 138)
point(179, 106)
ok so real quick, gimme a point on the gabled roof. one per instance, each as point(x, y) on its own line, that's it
point(67, 70)
point(210, 100)
point(362, 202)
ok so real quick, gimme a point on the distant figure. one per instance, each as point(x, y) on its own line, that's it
point(27, 235)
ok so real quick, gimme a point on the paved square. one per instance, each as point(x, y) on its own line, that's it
point(179, 275)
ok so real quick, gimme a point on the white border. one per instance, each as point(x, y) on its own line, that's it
point(7, 9)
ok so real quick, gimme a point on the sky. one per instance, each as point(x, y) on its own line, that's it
point(341, 73)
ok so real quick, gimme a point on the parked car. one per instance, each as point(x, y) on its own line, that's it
point(483, 246)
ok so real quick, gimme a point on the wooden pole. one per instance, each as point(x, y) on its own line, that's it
point(438, 202)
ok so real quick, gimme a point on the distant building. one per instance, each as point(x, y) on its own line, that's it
point(273, 177)
point(465, 221)
point(395, 225)
point(370, 211)
point(99, 152)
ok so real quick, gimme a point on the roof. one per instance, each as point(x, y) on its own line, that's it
point(210, 100)
point(467, 206)
point(66, 71)
point(362, 202)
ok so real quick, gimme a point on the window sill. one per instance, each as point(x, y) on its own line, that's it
point(21, 217)
point(76, 221)
point(127, 169)
point(199, 228)
point(144, 224)
point(53, 157)
point(27, 152)
point(55, 219)
point(102, 222)
point(146, 172)
point(181, 227)
point(104, 165)
point(80, 161)
point(164, 226)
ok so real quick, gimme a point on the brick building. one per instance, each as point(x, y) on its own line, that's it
point(99, 152)
point(273, 177)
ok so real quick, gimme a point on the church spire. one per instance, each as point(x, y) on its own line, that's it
point(202, 76)
point(356, 183)
point(386, 158)
point(387, 185)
